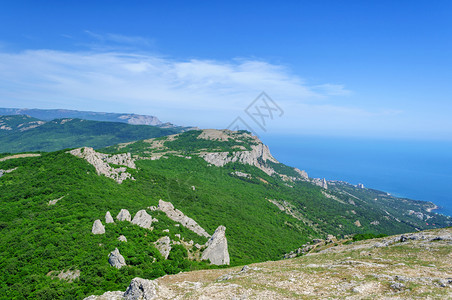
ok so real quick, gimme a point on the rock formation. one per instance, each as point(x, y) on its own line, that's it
point(163, 244)
point(98, 228)
point(139, 289)
point(302, 173)
point(124, 215)
point(54, 201)
point(122, 238)
point(178, 216)
point(257, 157)
point(108, 218)
point(116, 259)
point(101, 162)
point(217, 248)
point(142, 219)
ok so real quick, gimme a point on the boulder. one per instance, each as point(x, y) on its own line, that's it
point(122, 238)
point(142, 219)
point(98, 228)
point(163, 246)
point(116, 259)
point(217, 248)
point(124, 215)
point(108, 218)
point(141, 289)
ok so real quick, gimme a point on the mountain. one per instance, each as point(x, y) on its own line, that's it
point(412, 266)
point(20, 133)
point(180, 201)
point(51, 114)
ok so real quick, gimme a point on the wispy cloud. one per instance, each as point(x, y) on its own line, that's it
point(119, 39)
point(200, 92)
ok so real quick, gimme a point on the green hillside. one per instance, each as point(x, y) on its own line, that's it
point(266, 214)
point(68, 133)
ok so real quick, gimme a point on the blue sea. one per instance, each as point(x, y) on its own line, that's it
point(420, 170)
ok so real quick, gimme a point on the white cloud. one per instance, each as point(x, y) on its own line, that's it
point(199, 92)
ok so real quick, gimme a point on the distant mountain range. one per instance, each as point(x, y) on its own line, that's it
point(51, 114)
point(21, 133)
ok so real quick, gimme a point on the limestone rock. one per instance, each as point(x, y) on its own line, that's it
point(302, 174)
point(98, 228)
point(101, 162)
point(124, 215)
point(122, 238)
point(357, 223)
point(116, 259)
point(259, 153)
point(141, 289)
point(117, 295)
point(142, 219)
point(217, 248)
point(108, 218)
point(178, 216)
point(163, 245)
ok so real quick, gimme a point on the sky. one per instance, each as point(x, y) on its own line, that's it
point(333, 68)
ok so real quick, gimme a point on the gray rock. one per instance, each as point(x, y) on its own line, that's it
point(142, 219)
point(108, 218)
point(124, 215)
point(116, 259)
point(163, 245)
point(98, 228)
point(141, 289)
point(118, 295)
point(217, 248)
point(101, 162)
point(397, 286)
point(122, 238)
point(178, 216)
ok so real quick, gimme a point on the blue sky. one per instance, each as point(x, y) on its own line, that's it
point(342, 68)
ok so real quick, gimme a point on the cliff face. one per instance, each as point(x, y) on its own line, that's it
point(256, 157)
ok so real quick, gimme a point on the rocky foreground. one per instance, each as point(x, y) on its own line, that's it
point(408, 266)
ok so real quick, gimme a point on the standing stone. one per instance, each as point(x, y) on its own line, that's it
point(124, 215)
point(163, 246)
point(116, 259)
point(142, 219)
point(108, 218)
point(141, 289)
point(217, 248)
point(98, 228)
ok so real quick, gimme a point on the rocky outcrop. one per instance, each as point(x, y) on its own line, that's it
point(257, 157)
point(54, 201)
point(98, 228)
point(217, 248)
point(302, 174)
point(139, 289)
point(101, 162)
point(69, 275)
point(108, 218)
point(163, 245)
point(178, 216)
point(122, 238)
point(116, 259)
point(142, 219)
point(320, 182)
point(124, 215)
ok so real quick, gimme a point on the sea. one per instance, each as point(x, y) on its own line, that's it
point(420, 170)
